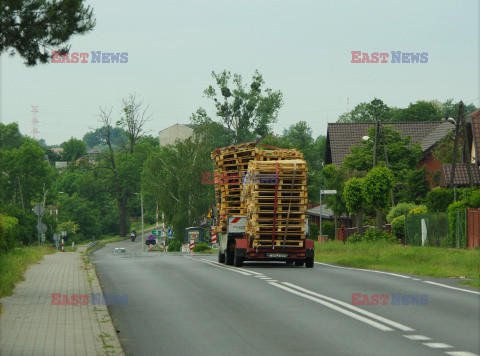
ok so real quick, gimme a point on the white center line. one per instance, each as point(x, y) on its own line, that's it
point(349, 306)
point(334, 307)
point(460, 353)
point(437, 345)
point(417, 337)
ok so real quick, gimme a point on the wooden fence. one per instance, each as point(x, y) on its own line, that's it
point(473, 223)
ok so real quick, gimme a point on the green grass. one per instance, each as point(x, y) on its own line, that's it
point(14, 263)
point(416, 260)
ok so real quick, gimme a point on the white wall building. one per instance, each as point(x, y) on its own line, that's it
point(173, 133)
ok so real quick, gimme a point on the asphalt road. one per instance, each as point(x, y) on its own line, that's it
point(190, 305)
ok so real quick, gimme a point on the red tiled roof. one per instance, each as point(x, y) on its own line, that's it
point(461, 175)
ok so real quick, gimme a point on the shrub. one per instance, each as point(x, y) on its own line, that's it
point(473, 200)
point(174, 245)
point(354, 238)
point(202, 246)
point(419, 209)
point(399, 209)
point(452, 222)
point(313, 231)
point(439, 199)
point(8, 233)
point(328, 228)
point(398, 227)
point(375, 235)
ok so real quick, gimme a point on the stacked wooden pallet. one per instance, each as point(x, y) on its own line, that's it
point(232, 164)
point(275, 201)
point(279, 155)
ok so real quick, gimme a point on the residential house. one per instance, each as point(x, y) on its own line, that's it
point(461, 169)
point(341, 137)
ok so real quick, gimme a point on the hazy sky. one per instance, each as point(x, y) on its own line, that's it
point(302, 48)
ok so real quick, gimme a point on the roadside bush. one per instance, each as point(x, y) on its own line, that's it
point(419, 209)
point(328, 228)
point(473, 200)
point(354, 238)
point(376, 235)
point(399, 209)
point(202, 246)
point(313, 231)
point(398, 227)
point(174, 245)
point(439, 199)
point(8, 233)
point(452, 222)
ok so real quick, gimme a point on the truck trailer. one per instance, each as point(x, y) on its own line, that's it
point(261, 205)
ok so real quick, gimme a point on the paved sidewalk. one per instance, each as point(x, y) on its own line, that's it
point(31, 325)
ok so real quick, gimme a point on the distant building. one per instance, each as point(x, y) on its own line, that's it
point(341, 137)
point(57, 150)
point(175, 132)
point(61, 164)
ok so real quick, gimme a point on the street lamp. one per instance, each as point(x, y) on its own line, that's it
point(141, 203)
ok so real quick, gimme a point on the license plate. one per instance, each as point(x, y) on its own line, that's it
point(277, 255)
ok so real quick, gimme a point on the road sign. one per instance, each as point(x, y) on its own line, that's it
point(328, 192)
point(41, 228)
point(38, 209)
point(156, 232)
point(56, 237)
point(170, 232)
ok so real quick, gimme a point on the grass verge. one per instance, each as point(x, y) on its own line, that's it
point(14, 263)
point(416, 260)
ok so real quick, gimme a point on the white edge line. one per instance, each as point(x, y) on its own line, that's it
point(349, 306)
point(366, 270)
point(450, 287)
point(334, 307)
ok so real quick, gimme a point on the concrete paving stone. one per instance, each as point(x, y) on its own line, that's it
point(31, 325)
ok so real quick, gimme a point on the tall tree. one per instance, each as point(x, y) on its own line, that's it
point(377, 187)
point(402, 154)
point(121, 170)
point(134, 118)
point(33, 28)
point(10, 136)
point(73, 149)
point(247, 111)
point(180, 178)
point(355, 200)
point(373, 111)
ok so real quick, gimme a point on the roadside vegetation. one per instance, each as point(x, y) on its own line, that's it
point(416, 260)
point(15, 262)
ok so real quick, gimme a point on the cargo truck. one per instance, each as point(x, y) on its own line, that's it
point(236, 247)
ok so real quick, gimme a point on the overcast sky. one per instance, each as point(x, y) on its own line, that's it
point(302, 48)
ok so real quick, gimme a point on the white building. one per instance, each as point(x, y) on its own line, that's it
point(175, 132)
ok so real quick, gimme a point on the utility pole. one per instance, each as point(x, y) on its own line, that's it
point(461, 124)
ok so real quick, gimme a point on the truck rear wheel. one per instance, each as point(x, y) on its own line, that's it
point(238, 261)
point(309, 262)
point(229, 258)
point(221, 257)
